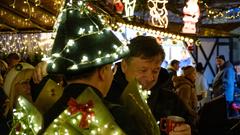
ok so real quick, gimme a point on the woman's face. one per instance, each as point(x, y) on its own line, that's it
point(22, 86)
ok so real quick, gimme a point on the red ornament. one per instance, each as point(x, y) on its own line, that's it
point(85, 109)
point(119, 6)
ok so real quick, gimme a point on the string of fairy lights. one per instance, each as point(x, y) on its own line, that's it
point(30, 44)
point(232, 13)
point(26, 44)
point(40, 43)
point(30, 7)
point(223, 15)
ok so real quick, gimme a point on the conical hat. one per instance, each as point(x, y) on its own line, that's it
point(83, 40)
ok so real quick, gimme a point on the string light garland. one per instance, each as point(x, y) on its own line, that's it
point(26, 44)
point(229, 14)
point(78, 116)
point(26, 118)
point(156, 32)
point(221, 15)
point(144, 93)
point(31, 8)
point(84, 115)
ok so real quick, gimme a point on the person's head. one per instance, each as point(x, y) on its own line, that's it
point(12, 60)
point(84, 49)
point(17, 82)
point(189, 72)
point(144, 61)
point(220, 60)
point(99, 77)
point(199, 67)
point(175, 64)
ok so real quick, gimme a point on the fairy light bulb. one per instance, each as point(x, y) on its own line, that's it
point(70, 42)
point(84, 59)
point(98, 60)
point(74, 67)
point(81, 31)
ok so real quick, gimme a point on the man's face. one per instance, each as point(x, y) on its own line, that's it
point(145, 71)
point(219, 62)
point(193, 76)
point(176, 66)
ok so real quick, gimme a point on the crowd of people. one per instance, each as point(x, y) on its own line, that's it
point(96, 85)
point(171, 95)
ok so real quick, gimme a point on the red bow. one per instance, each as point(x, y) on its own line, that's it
point(75, 107)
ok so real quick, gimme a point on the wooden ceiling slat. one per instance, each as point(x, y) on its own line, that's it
point(44, 8)
point(4, 25)
point(21, 15)
point(43, 16)
point(14, 21)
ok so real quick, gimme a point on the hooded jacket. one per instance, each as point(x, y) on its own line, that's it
point(185, 89)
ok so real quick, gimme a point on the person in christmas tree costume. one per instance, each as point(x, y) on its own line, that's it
point(84, 51)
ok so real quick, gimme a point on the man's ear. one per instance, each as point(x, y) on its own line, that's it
point(124, 65)
point(101, 72)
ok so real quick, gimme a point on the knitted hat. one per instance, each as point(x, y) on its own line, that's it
point(83, 40)
point(11, 75)
point(188, 70)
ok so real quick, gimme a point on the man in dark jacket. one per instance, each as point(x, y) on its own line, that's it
point(172, 70)
point(143, 64)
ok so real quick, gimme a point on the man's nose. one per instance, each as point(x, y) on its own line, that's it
point(150, 76)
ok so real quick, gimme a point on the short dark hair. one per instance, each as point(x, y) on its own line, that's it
point(174, 62)
point(85, 74)
point(221, 57)
point(199, 67)
point(14, 56)
point(145, 47)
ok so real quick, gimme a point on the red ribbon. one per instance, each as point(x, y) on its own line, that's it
point(75, 107)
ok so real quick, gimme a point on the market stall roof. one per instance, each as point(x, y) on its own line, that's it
point(20, 16)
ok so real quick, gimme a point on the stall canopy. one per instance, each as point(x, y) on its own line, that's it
point(217, 17)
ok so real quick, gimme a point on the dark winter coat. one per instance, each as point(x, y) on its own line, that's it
point(162, 102)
